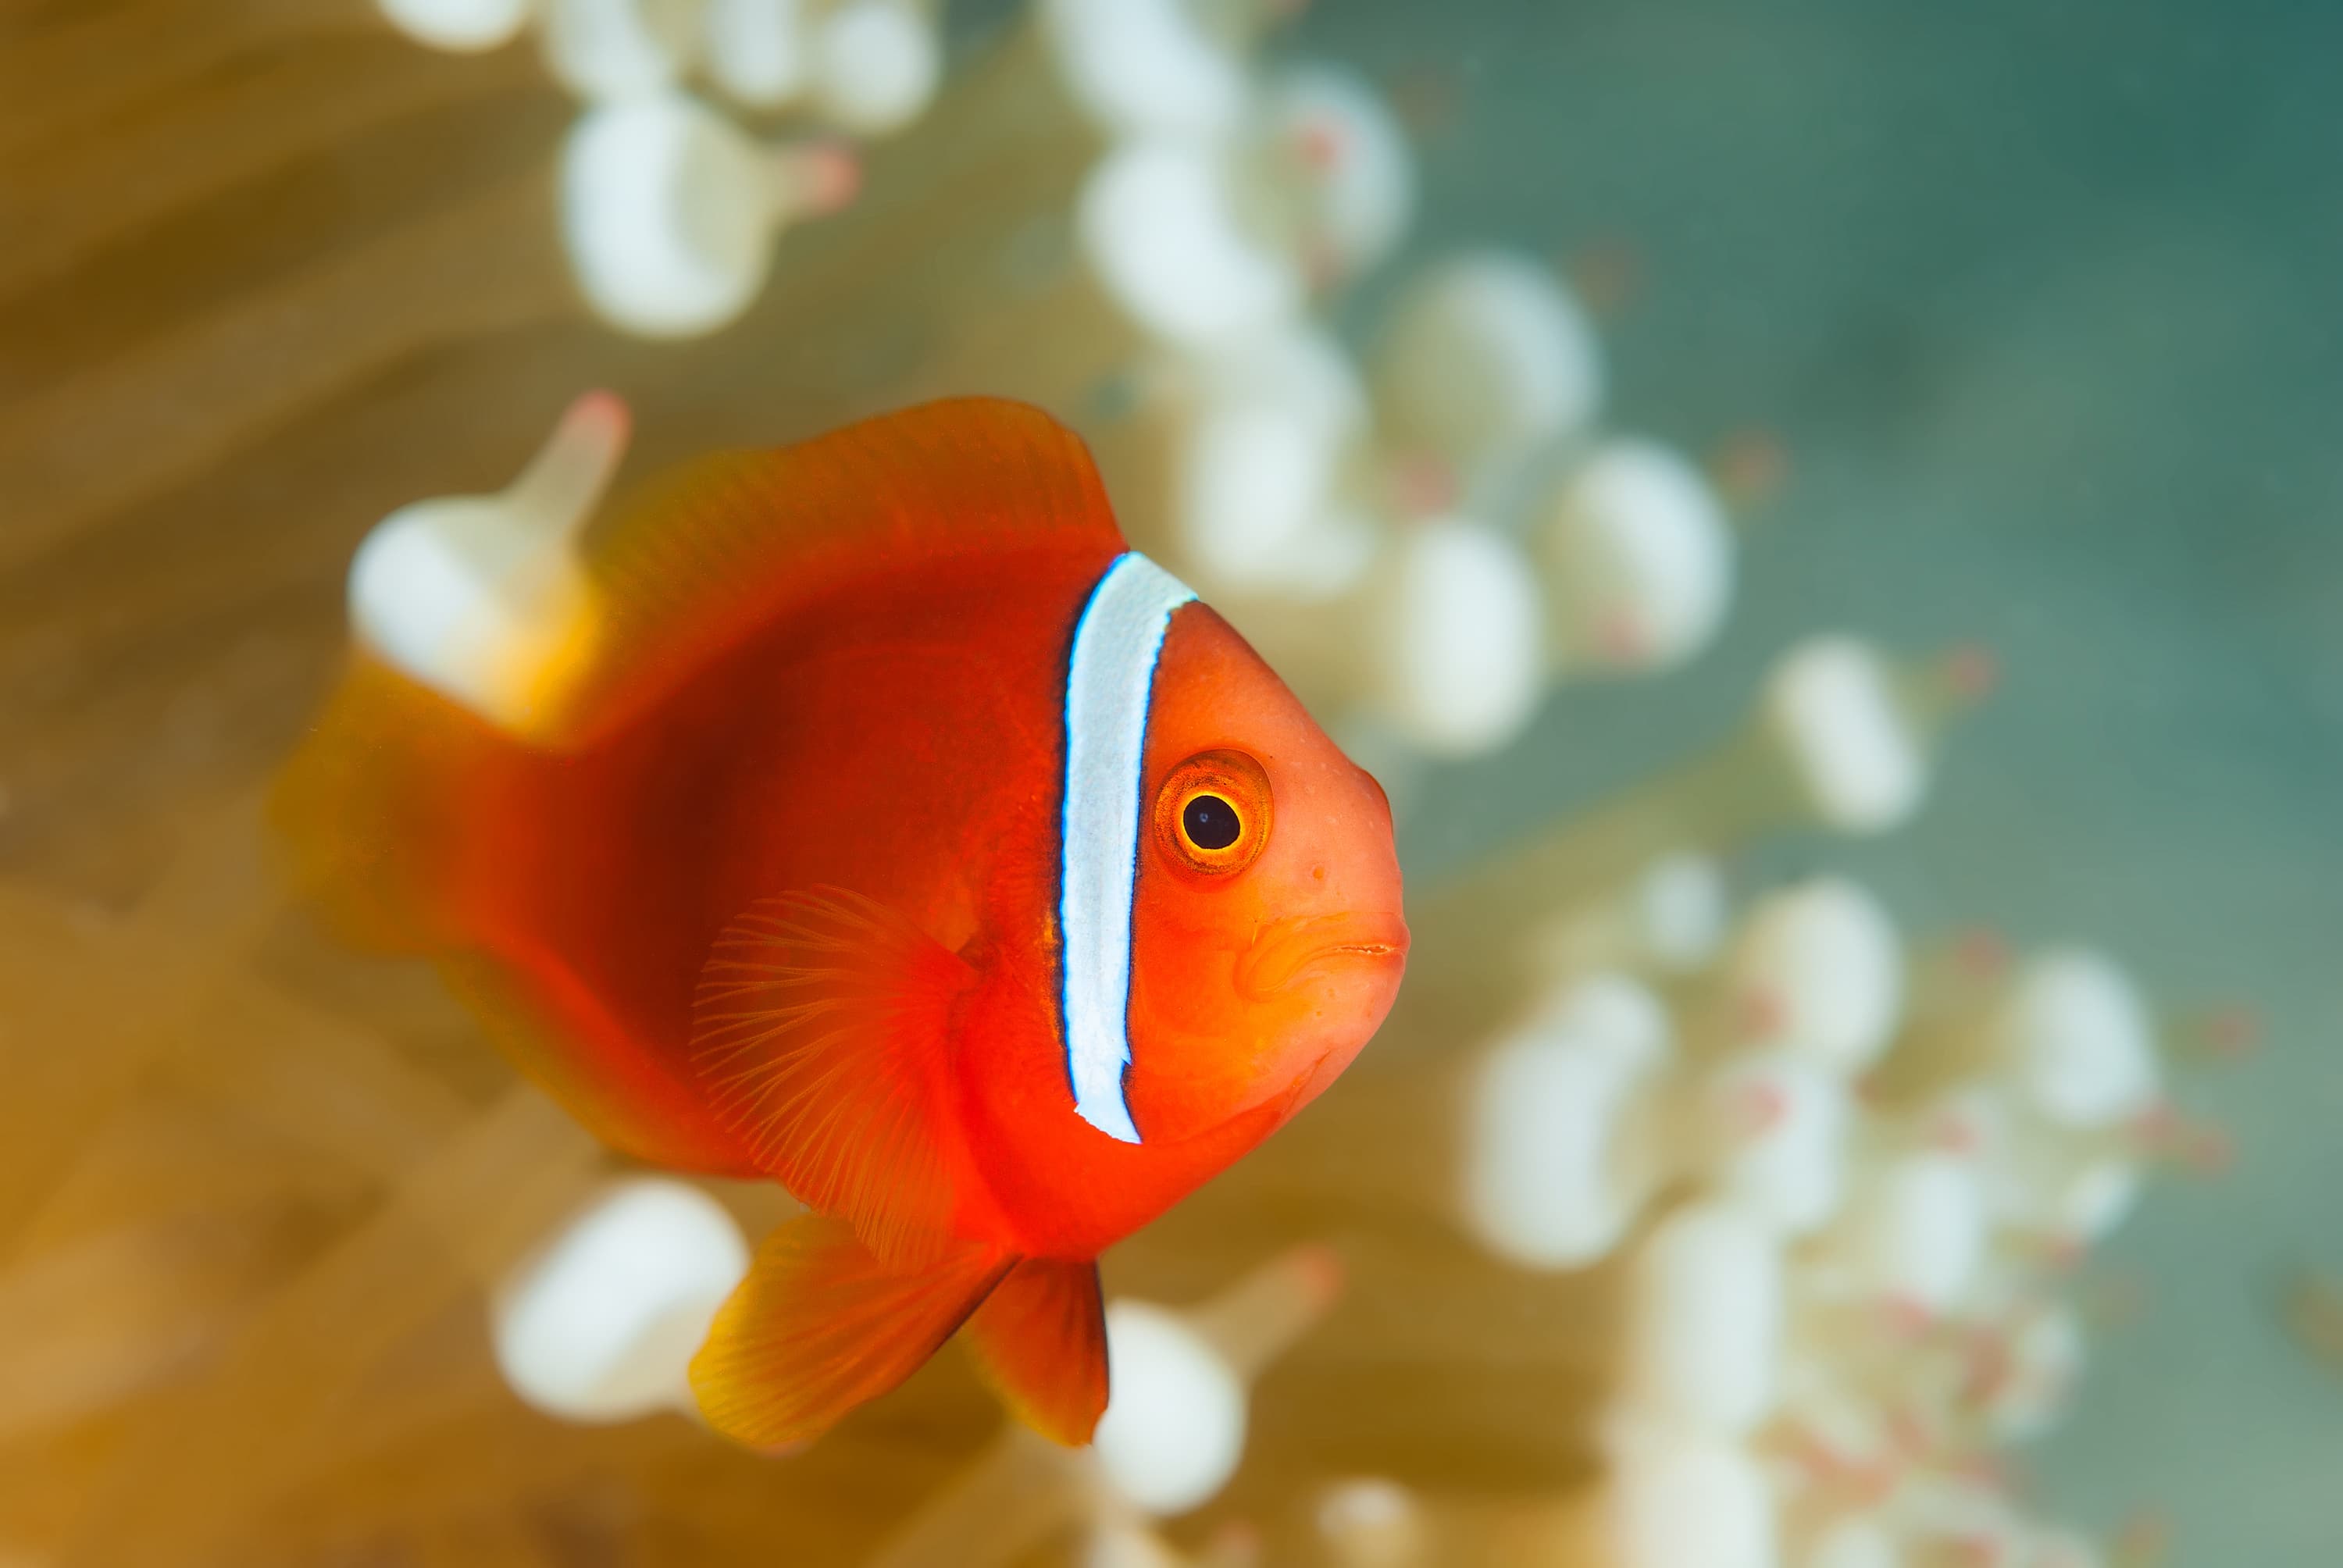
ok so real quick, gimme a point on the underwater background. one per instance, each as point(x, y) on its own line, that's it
point(2022, 308)
point(2037, 297)
point(2037, 294)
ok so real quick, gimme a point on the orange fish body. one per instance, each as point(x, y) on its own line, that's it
point(899, 835)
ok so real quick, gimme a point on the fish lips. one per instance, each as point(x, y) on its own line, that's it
point(1289, 950)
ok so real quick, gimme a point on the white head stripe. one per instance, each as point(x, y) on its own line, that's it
point(1107, 680)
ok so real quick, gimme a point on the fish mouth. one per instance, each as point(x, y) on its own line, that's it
point(1287, 950)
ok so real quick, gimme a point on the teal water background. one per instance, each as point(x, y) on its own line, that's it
point(2042, 298)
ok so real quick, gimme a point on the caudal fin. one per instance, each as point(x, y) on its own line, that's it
point(418, 828)
point(374, 807)
point(820, 1326)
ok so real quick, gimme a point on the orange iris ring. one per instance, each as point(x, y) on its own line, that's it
point(1232, 777)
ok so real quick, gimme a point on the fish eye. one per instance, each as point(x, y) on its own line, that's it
point(1213, 813)
point(1210, 822)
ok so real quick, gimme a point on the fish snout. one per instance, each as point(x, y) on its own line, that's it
point(1287, 949)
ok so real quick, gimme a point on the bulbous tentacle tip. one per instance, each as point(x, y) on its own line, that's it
point(2143, 1541)
point(1750, 469)
point(601, 414)
point(1971, 671)
point(1318, 1274)
point(566, 478)
point(1982, 953)
point(2231, 1031)
point(815, 178)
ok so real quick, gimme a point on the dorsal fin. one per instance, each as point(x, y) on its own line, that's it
point(702, 555)
point(821, 1031)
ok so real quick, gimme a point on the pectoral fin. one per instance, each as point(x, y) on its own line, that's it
point(821, 1030)
point(820, 1326)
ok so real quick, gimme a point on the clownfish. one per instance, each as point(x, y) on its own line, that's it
point(887, 827)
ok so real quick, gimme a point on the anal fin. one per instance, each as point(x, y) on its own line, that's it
point(1040, 1341)
point(821, 1030)
point(820, 1326)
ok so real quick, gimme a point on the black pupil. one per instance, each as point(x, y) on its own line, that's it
point(1210, 822)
